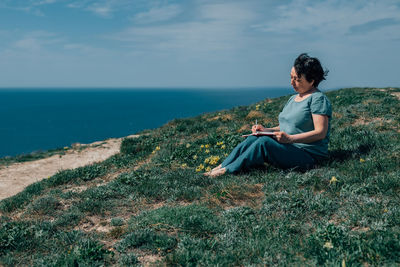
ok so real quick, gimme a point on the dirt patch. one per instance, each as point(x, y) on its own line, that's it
point(224, 117)
point(371, 101)
point(95, 223)
point(223, 130)
point(396, 94)
point(244, 128)
point(255, 114)
point(360, 121)
point(235, 195)
point(150, 260)
point(15, 177)
point(365, 121)
point(360, 229)
point(337, 115)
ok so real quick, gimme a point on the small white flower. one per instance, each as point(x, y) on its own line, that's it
point(328, 245)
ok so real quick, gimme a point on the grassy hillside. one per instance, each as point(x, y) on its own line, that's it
point(151, 203)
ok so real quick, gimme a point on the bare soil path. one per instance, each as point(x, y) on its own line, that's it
point(15, 177)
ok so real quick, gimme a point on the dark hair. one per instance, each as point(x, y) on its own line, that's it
point(311, 68)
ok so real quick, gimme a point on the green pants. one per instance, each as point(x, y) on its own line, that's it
point(254, 151)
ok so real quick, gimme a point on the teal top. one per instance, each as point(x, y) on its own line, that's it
point(296, 117)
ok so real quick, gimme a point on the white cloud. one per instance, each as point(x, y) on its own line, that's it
point(85, 50)
point(101, 8)
point(37, 40)
point(232, 12)
point(158, 14)
point(44, 2)
point(28, 44)
point(327, 17)
point(211, 28)
point(31, 6)
point(104, 10)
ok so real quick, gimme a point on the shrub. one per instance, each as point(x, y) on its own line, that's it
point(117, 221)
point(23, 236)
point(181, 184)
point(147, 239)
point(85, 173)
point(140, 145)
point(17, 201)
point(46, 205)
point(194, 219)
point(87, 252)
point(69, 219)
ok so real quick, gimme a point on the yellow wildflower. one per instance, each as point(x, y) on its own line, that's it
point(195, 157)
point(257, 107)
point(328, 245)
point(333, 180)
point(155, 150)
point(385, 210)
point(65, 147)
point(187, 145)
point(208, 169)
point(184, 165)
point(200, 168)
point(207, 151)
point(220, 143)
point(213, 160)
point(223, 147)
point(362, 160)
point(202, 146)
point(225, 154)
point(207, 146)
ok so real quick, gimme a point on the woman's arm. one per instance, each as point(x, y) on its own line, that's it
point(319, 132)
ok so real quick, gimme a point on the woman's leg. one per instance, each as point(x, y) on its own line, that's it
point(238, 150)
point(267, 149)
point(288, 156)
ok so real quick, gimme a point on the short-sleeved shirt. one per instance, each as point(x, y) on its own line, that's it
point(296, 118)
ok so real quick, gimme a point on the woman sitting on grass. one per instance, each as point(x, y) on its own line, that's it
point(301, 138)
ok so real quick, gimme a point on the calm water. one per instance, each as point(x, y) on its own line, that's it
point(37, 120)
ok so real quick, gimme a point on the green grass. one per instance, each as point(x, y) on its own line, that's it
point(152, 201)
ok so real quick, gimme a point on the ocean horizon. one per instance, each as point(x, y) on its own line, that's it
point(41, 119)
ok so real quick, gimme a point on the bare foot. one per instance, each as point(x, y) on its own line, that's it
point(216, 172)
point(215, 169)
point(218, 167)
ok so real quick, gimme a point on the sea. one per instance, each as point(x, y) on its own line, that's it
point(34, 120)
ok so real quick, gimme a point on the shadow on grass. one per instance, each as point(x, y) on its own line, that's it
point(341, 155)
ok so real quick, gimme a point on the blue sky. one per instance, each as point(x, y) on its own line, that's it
point(196, 43)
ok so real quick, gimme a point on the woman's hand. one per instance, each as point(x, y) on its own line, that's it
point(283, 137)
point(257, 128)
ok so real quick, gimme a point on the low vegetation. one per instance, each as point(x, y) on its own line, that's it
point(8, 160)
point(150, 204)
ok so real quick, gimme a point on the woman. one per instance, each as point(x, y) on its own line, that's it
point(301, 138)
